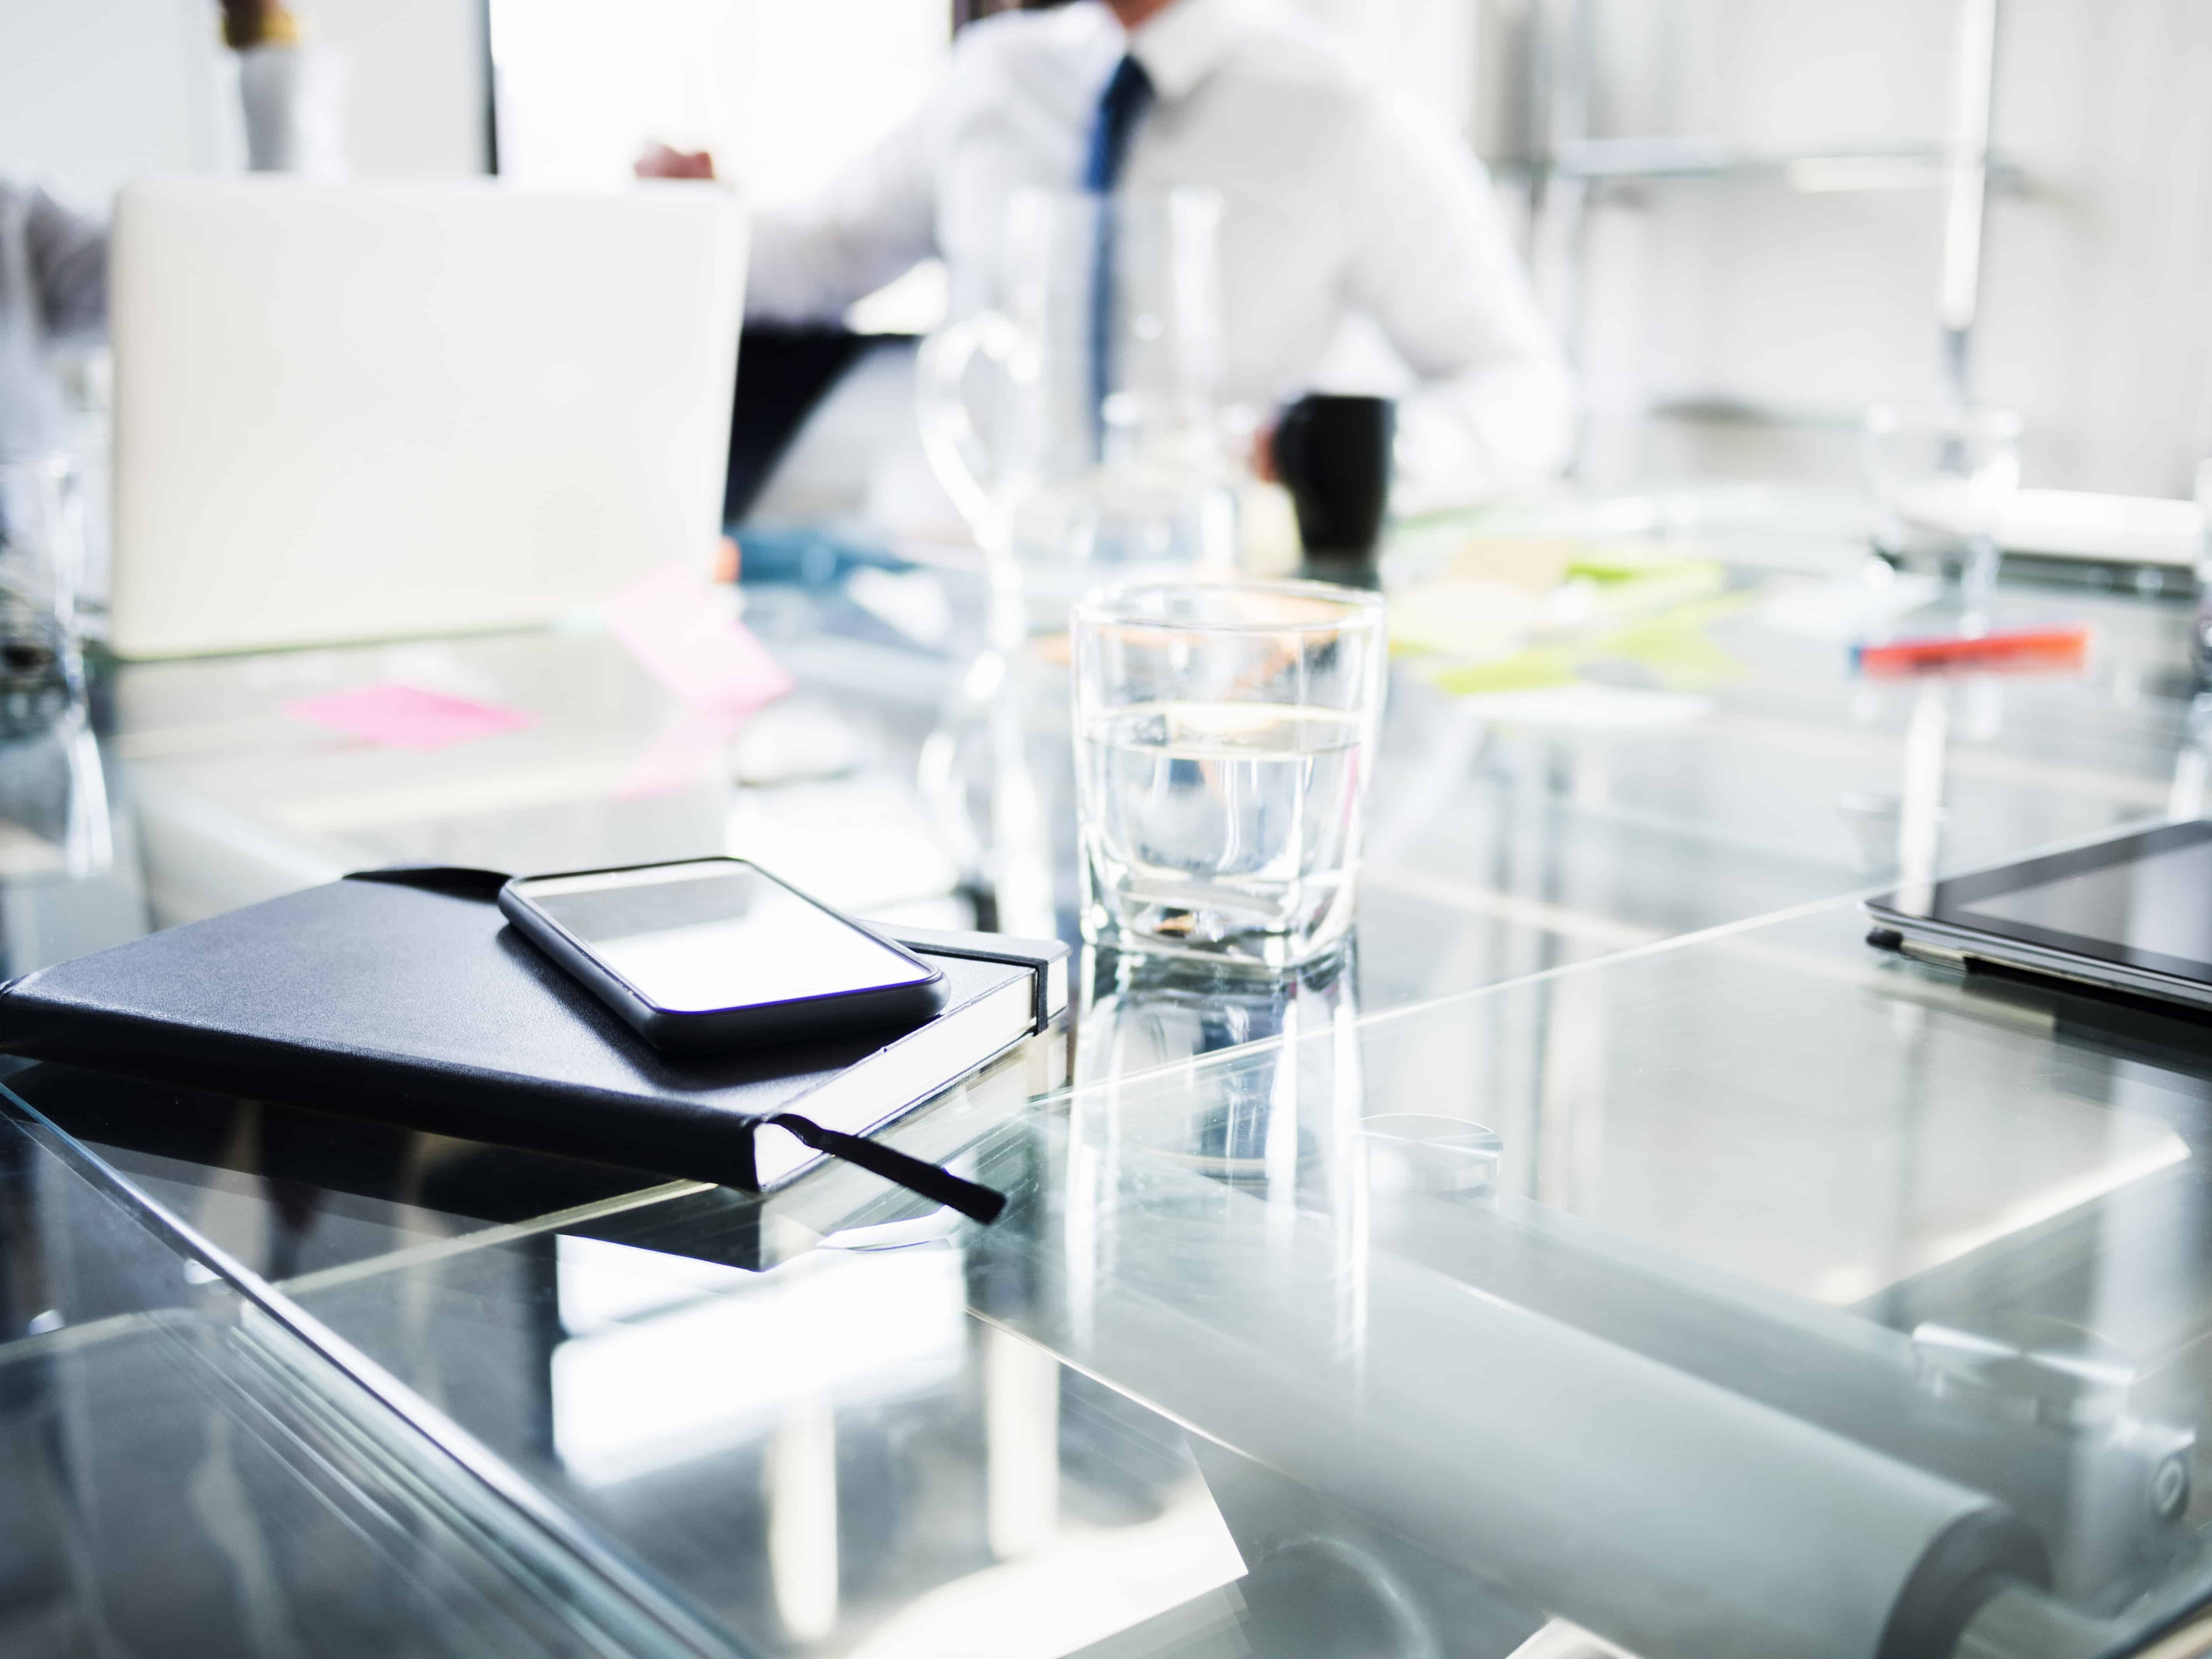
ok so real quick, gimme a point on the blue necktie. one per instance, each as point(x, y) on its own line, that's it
point(1128, 93)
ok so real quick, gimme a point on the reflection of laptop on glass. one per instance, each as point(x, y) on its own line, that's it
point(378, 411)
point(2131, 914)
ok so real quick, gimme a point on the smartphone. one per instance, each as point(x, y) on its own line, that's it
point(713, 954)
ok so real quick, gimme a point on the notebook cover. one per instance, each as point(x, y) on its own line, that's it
point(419, 1006)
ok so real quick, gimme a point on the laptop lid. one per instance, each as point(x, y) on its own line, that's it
point(371, 411)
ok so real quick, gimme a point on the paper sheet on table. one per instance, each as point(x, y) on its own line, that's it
point(1464, 616)
point(396, 716)
point(679, 628)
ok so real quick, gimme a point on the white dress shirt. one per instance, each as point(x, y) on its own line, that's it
point(1341, 199)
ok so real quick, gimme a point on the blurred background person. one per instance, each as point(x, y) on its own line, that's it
point(1345, 203)
point(53, 289)
point(53, 258)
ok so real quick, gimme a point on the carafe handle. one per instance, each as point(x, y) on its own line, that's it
point(958, 453)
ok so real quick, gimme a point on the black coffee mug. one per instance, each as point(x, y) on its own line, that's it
point(1333, 455)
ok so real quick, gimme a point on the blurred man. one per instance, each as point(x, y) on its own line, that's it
point(1341, 198)
point(53, 262)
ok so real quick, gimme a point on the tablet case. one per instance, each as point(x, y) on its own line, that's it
point(403, 995)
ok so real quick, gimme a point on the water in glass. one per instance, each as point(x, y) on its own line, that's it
point(1224, 825)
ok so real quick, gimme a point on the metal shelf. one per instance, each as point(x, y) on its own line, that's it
point(1566, 168)
point(1828, 168)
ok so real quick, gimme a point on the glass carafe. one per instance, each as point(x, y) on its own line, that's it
point(1074, 422)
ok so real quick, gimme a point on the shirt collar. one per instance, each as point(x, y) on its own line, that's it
point(1181, 44)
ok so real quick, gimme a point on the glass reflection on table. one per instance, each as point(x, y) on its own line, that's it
point(1944, 1230)
point(187, 1474)
point(833, 1456)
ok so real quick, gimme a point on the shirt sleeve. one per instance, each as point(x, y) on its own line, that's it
point(1433, 265)
point(873, 222)
point(67, 255)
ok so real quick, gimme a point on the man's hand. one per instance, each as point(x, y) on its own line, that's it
point(661, 162)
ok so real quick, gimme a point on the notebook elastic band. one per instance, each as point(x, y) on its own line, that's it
point(976, 1203)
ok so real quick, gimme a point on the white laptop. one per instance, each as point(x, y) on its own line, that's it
point(385, 410)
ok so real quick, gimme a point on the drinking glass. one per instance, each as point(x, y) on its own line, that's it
point(1941, 477)
point(55, 818)
point(1092, 447)
point(41, 558)
point(1224, 733)
point(54, 793)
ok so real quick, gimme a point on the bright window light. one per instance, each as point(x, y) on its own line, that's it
point(783, 95)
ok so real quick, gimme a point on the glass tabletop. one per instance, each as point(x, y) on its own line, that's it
point(189, 1470)
point(1610, 1248)
point(1953, 1226)
point(1756, 1294)
point(1513, 833)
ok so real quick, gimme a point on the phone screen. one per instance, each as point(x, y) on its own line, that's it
point(719, 934)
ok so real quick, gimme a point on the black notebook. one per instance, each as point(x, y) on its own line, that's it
point(405, 996)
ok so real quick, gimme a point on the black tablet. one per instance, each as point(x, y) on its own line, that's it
point(2132, 914)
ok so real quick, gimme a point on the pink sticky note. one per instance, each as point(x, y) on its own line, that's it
point(674, 626)
point(394, 716)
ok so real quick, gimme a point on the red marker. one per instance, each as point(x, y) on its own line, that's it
point(2051, 647)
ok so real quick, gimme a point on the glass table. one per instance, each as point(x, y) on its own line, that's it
point(1612, 1253)
point(194, 1466)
